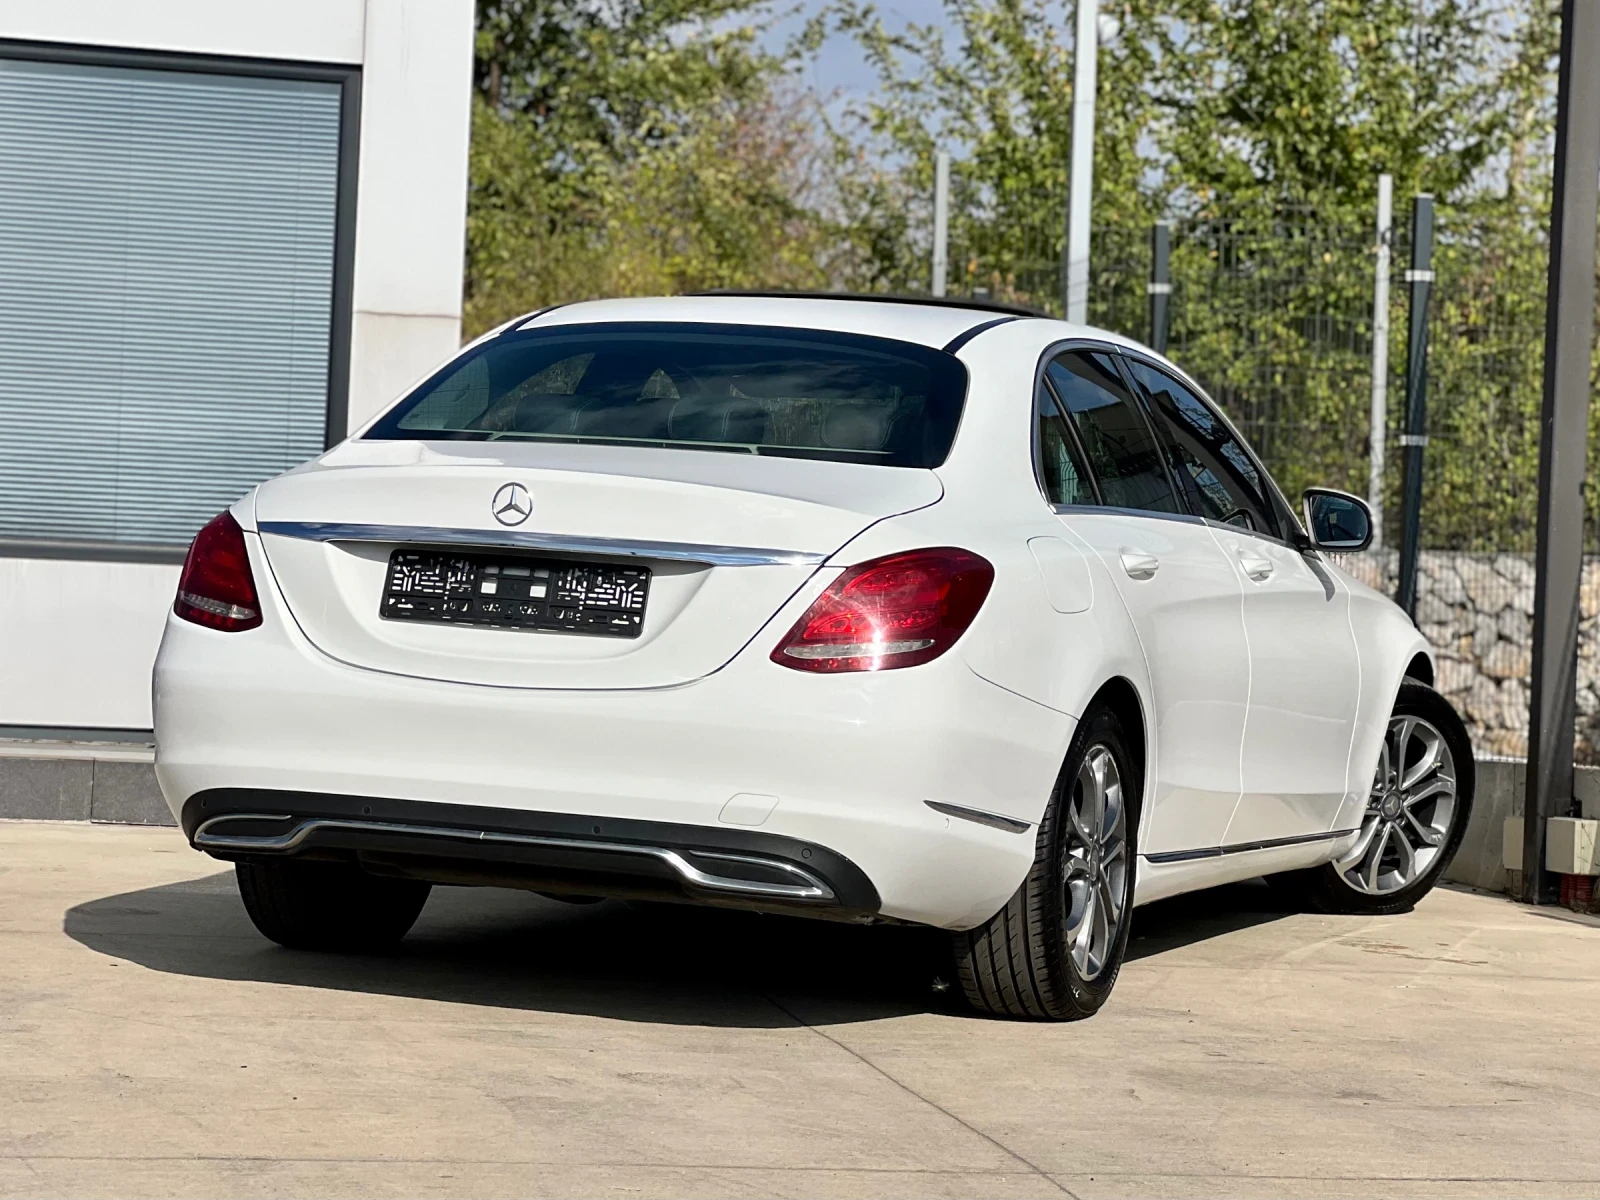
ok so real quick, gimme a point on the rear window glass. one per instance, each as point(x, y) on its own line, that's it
point(750, 390)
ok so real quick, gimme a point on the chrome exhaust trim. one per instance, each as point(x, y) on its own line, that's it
point(807, 888)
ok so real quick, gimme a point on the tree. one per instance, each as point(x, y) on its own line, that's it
point(627, 148)
point(993, 86)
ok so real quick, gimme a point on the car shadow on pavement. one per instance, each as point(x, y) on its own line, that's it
point(1169, 925)
point(657, 963)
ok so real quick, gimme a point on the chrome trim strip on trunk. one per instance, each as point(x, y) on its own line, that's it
point(423, 535)
point(1172, 856)
point(978, 816)
point(812, 888)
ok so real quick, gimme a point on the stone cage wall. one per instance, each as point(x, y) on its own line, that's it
point(1476, 609)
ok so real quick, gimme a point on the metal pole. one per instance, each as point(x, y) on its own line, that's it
point(1563, 438)
point(1379, 424)
point(1160, 285)
point(1080, 186)
point(1420, 280)
point(941, 220)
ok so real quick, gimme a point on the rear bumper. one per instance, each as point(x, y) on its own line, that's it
point(843, 766)
point(552, 852)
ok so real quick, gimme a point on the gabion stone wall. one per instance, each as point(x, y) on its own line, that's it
point(1477, 611)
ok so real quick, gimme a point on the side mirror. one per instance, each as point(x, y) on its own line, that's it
point(1337, 521)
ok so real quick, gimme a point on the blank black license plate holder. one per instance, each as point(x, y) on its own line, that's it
point(505, 591)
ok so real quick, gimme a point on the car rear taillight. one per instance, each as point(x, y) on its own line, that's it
point(216, 588)
point(896, 611)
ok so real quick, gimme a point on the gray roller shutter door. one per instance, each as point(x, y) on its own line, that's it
point(166, 276)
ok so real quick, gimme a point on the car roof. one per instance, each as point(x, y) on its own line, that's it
point(906, 319)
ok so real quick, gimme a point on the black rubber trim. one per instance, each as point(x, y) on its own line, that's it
point(962, 339)
point(1172, 856)
point(515, 326)
point(466, 861)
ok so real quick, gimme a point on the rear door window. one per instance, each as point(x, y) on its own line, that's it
point(741, 389)
point(1118, 441)
point(1062, 475)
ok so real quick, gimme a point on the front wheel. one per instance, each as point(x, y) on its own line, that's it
point(1416, 815)
point(1053, 952)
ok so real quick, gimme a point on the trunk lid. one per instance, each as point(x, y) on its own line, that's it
point(727, 539)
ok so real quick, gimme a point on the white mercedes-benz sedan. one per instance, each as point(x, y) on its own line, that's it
point(864, 609)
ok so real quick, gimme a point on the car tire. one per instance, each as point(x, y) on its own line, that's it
point(1026, 961)
point(1333, 887)
point(328, 906)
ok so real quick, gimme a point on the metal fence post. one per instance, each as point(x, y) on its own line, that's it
point(1563, 439)
point(1379, 424)
point(1160, 285)
point(941, 221)
point(1080, 182)
point(1420, 280)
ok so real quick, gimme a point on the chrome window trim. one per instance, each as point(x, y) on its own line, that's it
point(503, 539)
point(1255, 533)
point(812, 887)
point(1089, 510)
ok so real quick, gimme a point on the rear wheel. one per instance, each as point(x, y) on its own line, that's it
point(1416, 814)
point(1054, 951)
point(328, 906)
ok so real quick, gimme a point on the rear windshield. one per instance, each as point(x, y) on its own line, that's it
point(743, 389)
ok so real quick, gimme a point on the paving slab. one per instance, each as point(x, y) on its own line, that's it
point(151, 1043)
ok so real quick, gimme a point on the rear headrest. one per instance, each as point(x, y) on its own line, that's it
point(734, 420)
point(546, 413)
point(858, 426)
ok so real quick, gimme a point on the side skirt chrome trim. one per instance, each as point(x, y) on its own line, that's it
point(810, 887)
point(977, 815)
point(1172, 856)
point(422, 535)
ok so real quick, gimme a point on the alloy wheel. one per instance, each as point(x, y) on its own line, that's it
point(1409, 810)
point(1095, 867)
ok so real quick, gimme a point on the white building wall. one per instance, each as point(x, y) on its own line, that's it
point(328, 31)
point(411, 204)
point(77, 639)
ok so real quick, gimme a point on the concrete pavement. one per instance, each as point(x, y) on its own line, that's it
point(152, 1044)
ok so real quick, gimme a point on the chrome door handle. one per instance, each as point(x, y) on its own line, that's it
point(1255, 567)
point(1138, 565)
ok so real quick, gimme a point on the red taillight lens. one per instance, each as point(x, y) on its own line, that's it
point(891, 612)
point(216, 588)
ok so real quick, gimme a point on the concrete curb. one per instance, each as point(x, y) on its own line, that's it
point(78, 782)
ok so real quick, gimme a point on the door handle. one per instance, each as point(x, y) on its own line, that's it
point(1139, 565)
point(1254, 566)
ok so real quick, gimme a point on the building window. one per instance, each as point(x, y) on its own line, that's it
point(167, 246)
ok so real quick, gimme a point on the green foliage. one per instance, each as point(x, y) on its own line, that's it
point(631, 148)
point(1307, 101)
point(994, 87)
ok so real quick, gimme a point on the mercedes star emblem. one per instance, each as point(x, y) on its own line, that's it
point(512, 504)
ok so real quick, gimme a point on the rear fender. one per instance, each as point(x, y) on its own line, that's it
point(1020, 641)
